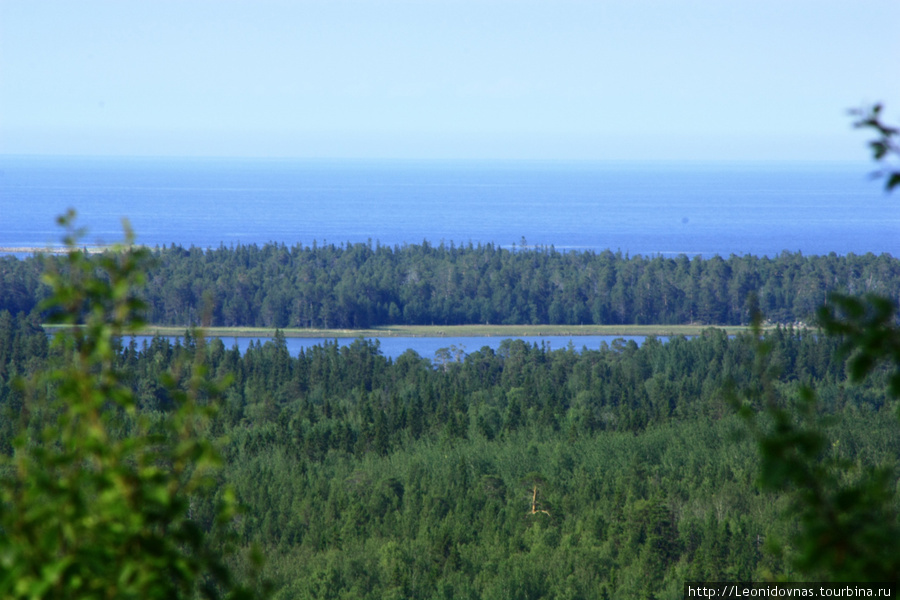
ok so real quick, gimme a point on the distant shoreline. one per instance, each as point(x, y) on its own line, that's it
point(449, 331)
point(50, 249)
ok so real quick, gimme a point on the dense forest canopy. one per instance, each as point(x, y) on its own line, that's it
point(361, 285)
point(516, 473)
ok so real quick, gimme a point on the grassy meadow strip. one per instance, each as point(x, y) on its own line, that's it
point(446, 331)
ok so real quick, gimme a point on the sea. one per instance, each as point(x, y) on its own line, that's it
point(636, 208)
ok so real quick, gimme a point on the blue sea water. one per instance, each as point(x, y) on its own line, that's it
point(637, 208)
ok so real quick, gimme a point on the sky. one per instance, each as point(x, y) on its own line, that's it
point(446, 79)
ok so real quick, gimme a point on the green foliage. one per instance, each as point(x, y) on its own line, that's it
point(870, 337)
point(885, 147)
point(668, 493)
point(846, 508)
point(358, 286)
point(366, 477)
point(96, 499)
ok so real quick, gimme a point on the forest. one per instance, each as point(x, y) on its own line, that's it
point(355, 286)
point(521, 473)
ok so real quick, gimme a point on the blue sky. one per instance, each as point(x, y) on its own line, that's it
point(479, 79)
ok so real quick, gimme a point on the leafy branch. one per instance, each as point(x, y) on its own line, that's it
point(848, 524)
point(86, 510)
point(886, 145)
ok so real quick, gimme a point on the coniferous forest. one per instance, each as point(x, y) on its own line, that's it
point(359, 285)
point(521, 473)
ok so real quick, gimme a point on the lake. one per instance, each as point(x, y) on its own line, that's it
point(426, 347)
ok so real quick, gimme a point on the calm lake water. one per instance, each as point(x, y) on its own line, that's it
point(425, 347)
